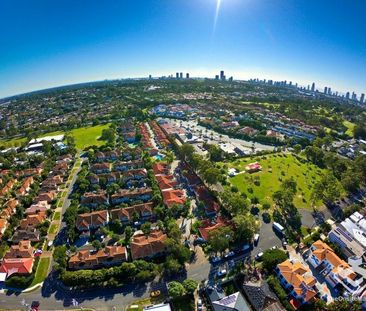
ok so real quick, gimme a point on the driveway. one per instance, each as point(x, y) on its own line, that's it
point(267, 239)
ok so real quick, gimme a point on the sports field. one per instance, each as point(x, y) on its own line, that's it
point(275, 169)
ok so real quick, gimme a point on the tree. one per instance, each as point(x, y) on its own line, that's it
point(211, 175)
point(186, 151)
point(327, 189)
point(176, 289)
point(271, 258)
point(128, 234)
point(297, 148)
point(245, 227)
point(190, 286)
point(172, 266)
point(220, 239)
point(146, 228)
point(97, 245)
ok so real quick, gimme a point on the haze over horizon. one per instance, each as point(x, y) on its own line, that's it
point(48, 44)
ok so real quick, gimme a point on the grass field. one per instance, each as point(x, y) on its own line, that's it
point(88, 136)
point(16, 142)
point(84, 137)
point(42, 271)
point(57, 216)
point(275, 169)
point(350, 127)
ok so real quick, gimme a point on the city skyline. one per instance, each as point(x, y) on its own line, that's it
point(50, 45)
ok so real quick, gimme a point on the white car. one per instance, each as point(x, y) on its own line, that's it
point(229, 254)
point(259, 256)
point(215, 259)
point(199, 304)
point(221, 273)
point(256, 238)
point(274, 247)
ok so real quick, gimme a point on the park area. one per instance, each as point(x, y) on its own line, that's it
point(275, 169)
point(84, 137)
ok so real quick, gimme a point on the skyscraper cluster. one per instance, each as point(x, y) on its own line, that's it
point(222, 76)
point(179, 75)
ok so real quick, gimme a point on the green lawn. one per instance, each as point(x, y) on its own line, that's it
point(57, 216)
point(42, 271)
point(276, 167)
point(53, 229)
point(15, 142)
point(84, 137)
point(350, 127)
point(88, 136)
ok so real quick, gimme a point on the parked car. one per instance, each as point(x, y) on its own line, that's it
point(221, 273)
point(215, 259)
point(274, 247)
point(256, 238)
point(284, 243)
point(229, 254)
point(259, 256)
point(199, 304)
point(155, 293)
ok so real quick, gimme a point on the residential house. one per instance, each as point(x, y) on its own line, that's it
point(133, 213)
point(4, 224)
point(134, 174)
point(93, 178)
point(32, 221)
point(93, 220)
point(15, 266)
point(125, 166)
point(161, 168)
point(9, 185)
point(166, 182)
point(203, 195)
point(125, 195)
point(25, 187)
point(100, 168)
point(9, 208)
point(19, 235)
point(153, 245)
point(173, 197)
point(253, 167)
point(261, 297)
point(298, 281)
point(109, 256)
point(47, 196)
point(219, 301)
point(93, 199)
point(337, 272)
point(39, 207)
point(23, 249)
point(209, 225)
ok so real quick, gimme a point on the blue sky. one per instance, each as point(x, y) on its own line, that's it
point(47, 43)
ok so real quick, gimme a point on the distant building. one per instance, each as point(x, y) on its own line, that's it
point(313, 87)
point(362, 99)
point(329, 91)
point(222, 75)
point(347, 95)
point(187, 75)
point(150, 77)
point(181, 75)
point(217, 77)
point(231, 79)
point(177, 75)
point(326, 90)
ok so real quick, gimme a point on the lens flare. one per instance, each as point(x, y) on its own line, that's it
point(218, 5)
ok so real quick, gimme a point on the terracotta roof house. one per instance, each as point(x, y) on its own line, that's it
point(22, 250)
point(204, 196)
point(127, 214)
point(109, 256)
point(337, 272)
point(39, 207)
point(60, 168)
point(47, 196)
point(25, 187)
point(209, 225)
point(125, 195)
point(100, 168)
point(9, 185)
point(32, 221)
point(18, 266)
point(143, 246)
point(166, 182)
point(93, 220)
point(106, 156)
point(247, 130)
point(110, 177)
point(174, 197)
point(93, 199)
point(161, 168)
point(29, 234)
point(298, 280)
point(9, 208)
point(4, 224)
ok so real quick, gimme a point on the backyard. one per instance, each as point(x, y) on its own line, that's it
point(275, 169)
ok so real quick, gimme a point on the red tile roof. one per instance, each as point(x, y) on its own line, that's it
point(142, 246)
point(12, 266)
point(208, 226)
point(174, 197)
